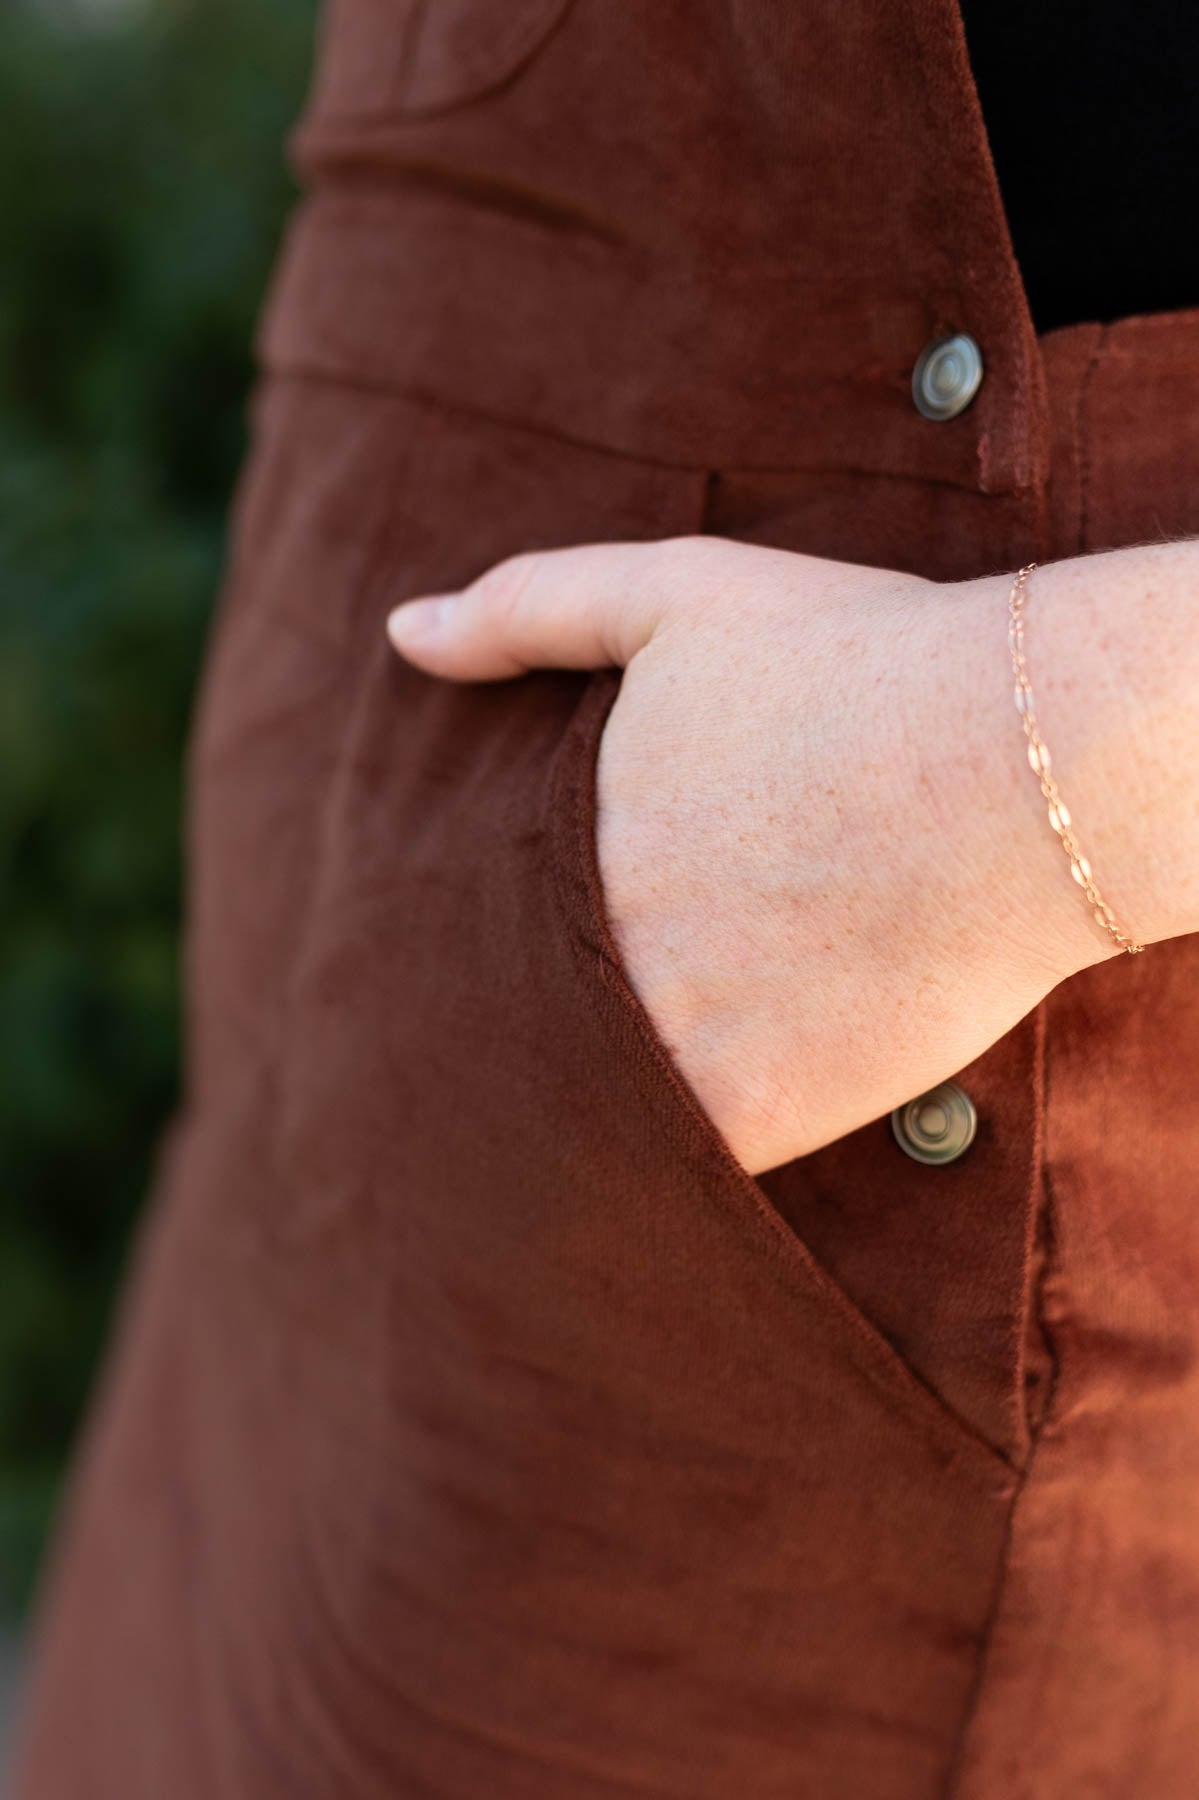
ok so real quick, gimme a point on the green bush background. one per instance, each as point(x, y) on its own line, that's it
point(142, 188)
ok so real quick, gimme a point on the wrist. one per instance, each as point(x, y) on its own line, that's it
point(1111, 652)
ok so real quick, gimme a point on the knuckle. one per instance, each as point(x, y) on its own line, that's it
point(683, 553)
point(503, 590)
point(685, 564)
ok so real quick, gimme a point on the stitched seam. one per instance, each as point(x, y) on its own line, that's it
point(709, 503)
point(1046, 1201)
point(295, 369)
point(1082, 439)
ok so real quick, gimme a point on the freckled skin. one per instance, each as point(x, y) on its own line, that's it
point(815, 810)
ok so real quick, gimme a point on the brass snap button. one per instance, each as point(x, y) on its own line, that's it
point(948, 374)
point(936, 1127)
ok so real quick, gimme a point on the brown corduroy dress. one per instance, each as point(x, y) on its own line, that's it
point(476, 1428)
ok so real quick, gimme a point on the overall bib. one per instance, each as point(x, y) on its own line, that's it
point(476, 1428)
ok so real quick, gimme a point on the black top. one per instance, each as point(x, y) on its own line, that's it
point(1092, 109)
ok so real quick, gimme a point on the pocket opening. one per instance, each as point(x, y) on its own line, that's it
point(720, 1179)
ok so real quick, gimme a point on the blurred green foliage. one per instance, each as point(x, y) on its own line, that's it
point(142, 189)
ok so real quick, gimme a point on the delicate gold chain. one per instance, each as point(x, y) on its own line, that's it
point(1038, 757)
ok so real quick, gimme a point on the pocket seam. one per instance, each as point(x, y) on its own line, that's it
point(571, 838)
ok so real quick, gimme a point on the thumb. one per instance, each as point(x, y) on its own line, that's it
point(587, 608)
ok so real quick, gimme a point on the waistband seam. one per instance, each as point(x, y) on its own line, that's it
point(275, 368)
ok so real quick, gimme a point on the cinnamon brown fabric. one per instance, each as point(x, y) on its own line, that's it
point(476, 1427)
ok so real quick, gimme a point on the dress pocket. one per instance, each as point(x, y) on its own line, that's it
point(673, 1111)
point(414, 58)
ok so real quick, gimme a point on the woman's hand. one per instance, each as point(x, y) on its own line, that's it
point(826, 863)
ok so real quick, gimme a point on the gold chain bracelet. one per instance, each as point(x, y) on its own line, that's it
point(1038, 757)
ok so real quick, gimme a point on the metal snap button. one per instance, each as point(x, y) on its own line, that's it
point(936, 1127)
point(947, 376)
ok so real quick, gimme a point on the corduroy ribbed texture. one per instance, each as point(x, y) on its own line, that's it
point(476, 1428)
